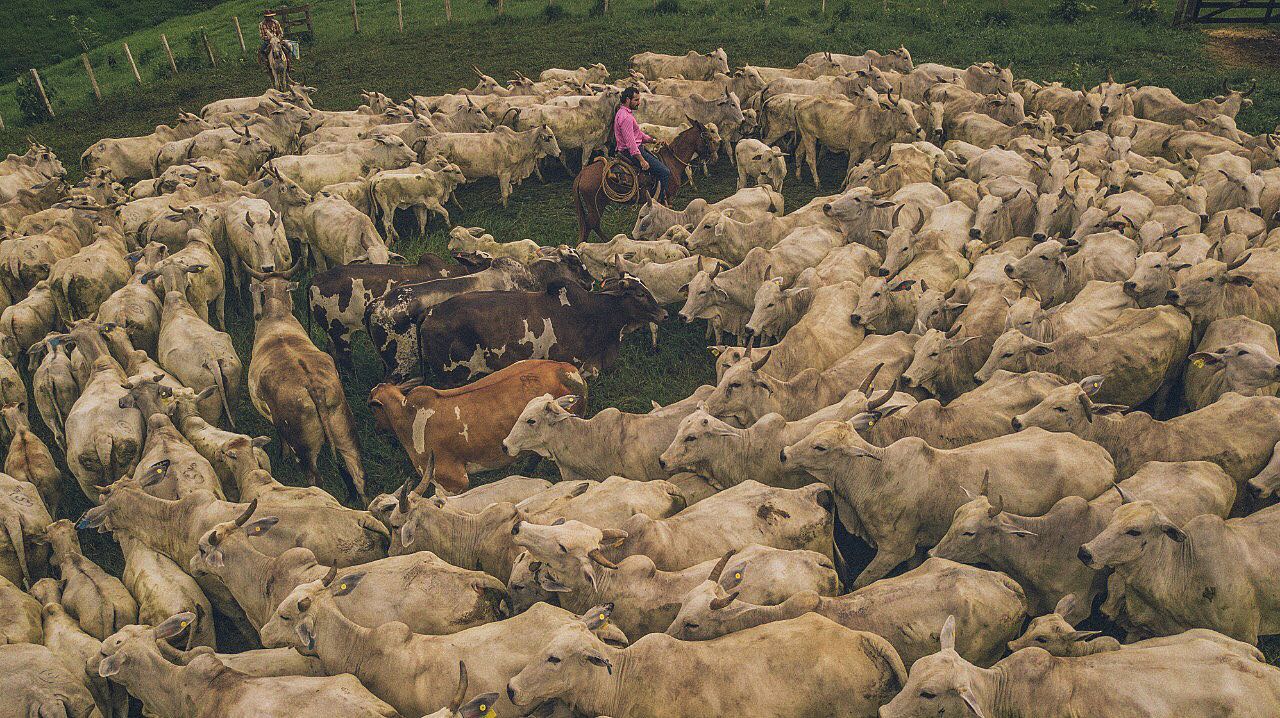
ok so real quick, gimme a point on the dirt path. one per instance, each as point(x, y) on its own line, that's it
point(1245, 46)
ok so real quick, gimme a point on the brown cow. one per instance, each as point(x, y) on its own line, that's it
point(295, 386)
point(464, 427)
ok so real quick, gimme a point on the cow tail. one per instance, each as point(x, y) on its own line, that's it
point(105, 448)
point(326, 426)
point(13, 529)
point(220, 381)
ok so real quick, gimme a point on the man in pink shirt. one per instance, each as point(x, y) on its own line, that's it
point(628, 137)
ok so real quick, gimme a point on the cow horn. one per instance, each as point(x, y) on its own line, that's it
point(714, 271)
point(1087, 406)
point(297, 264)
point(719, 603)
point(881, 400)
point(758, 364)
point(429, 475)
point(953, 332)
point(403, 500)
point(248, 218)
point(460, 694)
point(985, 487)
point(597, 555)
point(1253, 85)
point(253, 272)
point(243, 518)
point(718, 569)
point(865, 387)
point(1238, 261)
point(1124, 498)
point(1111, 77)
point(997, 506)
point(328, 577)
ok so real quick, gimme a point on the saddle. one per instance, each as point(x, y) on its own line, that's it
point(623, 178)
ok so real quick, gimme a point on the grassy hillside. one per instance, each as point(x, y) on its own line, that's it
point(432, 57)
point(41, 34)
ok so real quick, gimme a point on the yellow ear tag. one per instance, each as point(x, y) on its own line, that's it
point(603, 617)
point(737, 575)
point(871, 423)
point(342, 587)
point(182, 624)
point(1197, 363)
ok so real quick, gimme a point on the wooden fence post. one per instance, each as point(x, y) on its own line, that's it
point(239, 35)
point(132, 65)
point(448, 11)
point(400, 14)
point(88, 68)
point(355, 17)
point(1, 122)
point(208, 46)
point(168, 53)
point(40, 89)
point(824, 7)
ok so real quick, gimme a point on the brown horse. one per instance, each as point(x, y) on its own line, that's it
point(589, 199)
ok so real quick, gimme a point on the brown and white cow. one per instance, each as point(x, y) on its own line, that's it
point(463, 428)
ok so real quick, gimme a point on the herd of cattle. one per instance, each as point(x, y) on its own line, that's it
point(1027, 354)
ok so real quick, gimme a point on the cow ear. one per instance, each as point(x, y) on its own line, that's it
point(346, 584)
point(261, 526)
point(1174, 533)
point(1066, 605)
point(1041, 350)
point(173, 625)
point(1104, 409)
point(1240, 279)
point(1091, 384)
point(1199, 359)
point(110, 665)
point(947, 637)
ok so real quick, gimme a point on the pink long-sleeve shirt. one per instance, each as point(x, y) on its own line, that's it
point(627, 134)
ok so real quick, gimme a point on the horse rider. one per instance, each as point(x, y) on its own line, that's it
point(268, 30)
point(629, 139)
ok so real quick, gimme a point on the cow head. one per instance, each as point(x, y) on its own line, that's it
point(1195, 198)
point(1056, 634)
point(745, 393)
point(1241, 365)
point(538, 417)
point(1044, 268)
point(703, 296)
point(127, 653)
point(293, 625)
point(933, 353)
point(212, 546)
point(1243, 190)
point(831, 444)
point(571, 553)
point(943, 684)
point(1152, 278)
point(1202, 289)
point(937, 310)
point(875, 300)
point(698, 435)
point(771, 307)
point(1067, 408)
point(574, 657)
point(1012, 351)
point(560, 266)
point(636, 302)
point(1135, 527)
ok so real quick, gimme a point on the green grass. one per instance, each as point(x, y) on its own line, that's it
point(40, 34)
point(432, 57)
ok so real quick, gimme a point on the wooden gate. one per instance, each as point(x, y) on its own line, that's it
point(1233, 11)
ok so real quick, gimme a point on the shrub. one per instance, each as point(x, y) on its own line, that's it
point(29, 103)
point(1145, 11)
point(667, 7)
point(1070, 11)
point(553, 11)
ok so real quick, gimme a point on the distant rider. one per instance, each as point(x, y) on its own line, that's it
point(628, 138)
point(268, 29)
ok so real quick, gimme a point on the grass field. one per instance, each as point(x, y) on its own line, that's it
point(431, 57)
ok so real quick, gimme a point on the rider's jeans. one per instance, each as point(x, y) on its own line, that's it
point(658, 169)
